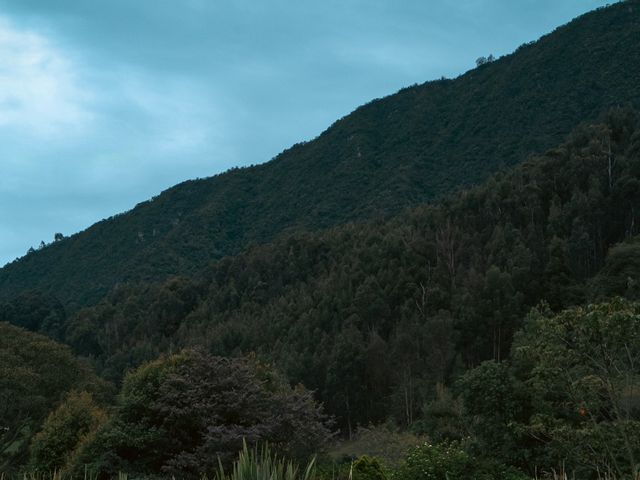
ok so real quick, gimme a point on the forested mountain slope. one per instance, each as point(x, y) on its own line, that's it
point(392, 153)
point(372, 315)
point(35, 375)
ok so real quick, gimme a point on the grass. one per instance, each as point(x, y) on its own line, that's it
point(56, 475)
point(383, 442)
point(262, 464)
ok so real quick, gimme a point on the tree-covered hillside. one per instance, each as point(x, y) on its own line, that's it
point(373, 315)
point(405, 149)
point(35, 375)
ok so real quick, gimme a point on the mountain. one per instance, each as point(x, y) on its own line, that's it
point(373, 314)
point(396, 152)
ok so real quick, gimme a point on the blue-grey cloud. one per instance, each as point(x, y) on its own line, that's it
point(105, 103)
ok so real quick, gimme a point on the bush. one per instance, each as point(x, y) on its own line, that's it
point(362, 468)
point(180, 414)
point(263, 464)
point(63, 431)
point(386, 443)
point(433, 462)
point(442, 418)
point(367, 468)
point(35, 375)
point(451, 462)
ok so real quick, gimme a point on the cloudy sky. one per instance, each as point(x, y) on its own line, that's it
point(104, 103)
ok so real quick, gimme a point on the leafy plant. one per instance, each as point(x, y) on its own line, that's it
point(35, 374)
point(182, 413)
point(451, 462)
point(367, 468)
point(263, 464)
point(64, 430)
point(569, 398)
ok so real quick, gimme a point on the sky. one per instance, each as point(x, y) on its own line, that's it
point(105, 103)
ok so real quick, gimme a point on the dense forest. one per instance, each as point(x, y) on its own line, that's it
point(376, 317)
point(393, 153)
point(326, 314)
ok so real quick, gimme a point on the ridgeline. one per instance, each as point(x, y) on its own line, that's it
point(397, 152)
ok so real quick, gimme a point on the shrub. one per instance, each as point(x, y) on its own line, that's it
point(433, 462)
point(35, 374)
point(367, 468)
point(263, 464)
point(384, 442)
point(361, 468)
point(63, 430)
point(442, 418)
point(451, 462)
point(178, 415)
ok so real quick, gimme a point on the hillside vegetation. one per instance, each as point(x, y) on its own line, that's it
point(373, 315)
point(35, 375)
point(423, 321)
point(400, 151)
point(412, 274)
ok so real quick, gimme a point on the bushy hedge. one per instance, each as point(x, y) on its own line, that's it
point(451, 462)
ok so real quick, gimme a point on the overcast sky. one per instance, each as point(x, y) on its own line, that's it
point(105, 103)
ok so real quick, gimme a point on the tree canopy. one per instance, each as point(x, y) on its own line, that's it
point(35, 375)
point(569, 395)
point(373, 315)
point(181, 413)
point(400, 151)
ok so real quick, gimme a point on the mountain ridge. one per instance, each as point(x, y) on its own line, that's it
point(387, 155)
point(438, 287)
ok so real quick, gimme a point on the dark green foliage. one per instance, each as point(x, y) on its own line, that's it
point(442, 418)
point(263, 464)
point(366, 468)
point(386, 442)
point(621, 272)
point(400, 151)
point(372, 316)
point(37, 312)
point(449, 462)
point(494, 398)
point(35, 375)
point(146, 319)
point(64, 432)
point(180, 414)
point(570, 395)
